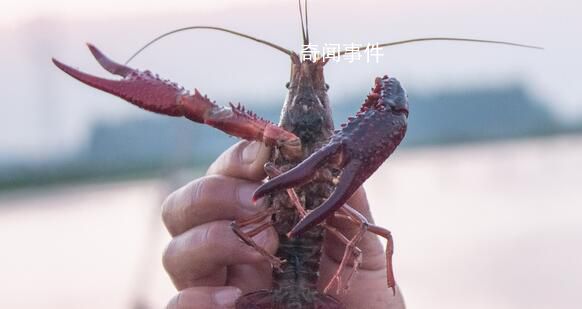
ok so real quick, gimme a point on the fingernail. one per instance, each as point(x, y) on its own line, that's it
point(245, 196)
point(226, 297)
point(251, 152)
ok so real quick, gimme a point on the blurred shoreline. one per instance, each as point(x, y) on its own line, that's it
point(114, 169)
point(494, 225)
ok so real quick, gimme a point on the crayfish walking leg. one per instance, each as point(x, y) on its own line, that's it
point(246, 236)
point(364, 226)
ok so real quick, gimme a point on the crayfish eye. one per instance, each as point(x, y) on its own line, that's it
point(326, 86)
point(287, 85)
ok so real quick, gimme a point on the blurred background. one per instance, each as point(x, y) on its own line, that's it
point(483, 197)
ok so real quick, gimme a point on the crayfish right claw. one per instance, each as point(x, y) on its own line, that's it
point(300, 174)
point(347, 185)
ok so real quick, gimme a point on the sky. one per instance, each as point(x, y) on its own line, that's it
point(18, 12)
point(46, 114)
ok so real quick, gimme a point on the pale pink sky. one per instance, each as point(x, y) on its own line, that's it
point(17, 12)
point(33, 31)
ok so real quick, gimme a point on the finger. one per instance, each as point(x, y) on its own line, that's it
point(205, 298)
point(238, 275)
point(207, 199)
point(243, 160)
point(199, 256)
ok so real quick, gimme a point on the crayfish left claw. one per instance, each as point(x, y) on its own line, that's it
point(148, 91)
point(139, 88)
point(300, 174)
point(108, 64)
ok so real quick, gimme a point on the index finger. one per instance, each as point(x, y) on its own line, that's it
point(244, 160)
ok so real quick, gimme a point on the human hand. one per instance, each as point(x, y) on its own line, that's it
point(211, 267)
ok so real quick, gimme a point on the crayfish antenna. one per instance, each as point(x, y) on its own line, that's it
point(347, 185)
point(304, 30)
point(403, 42)
point(239, 34)
point(300, 174)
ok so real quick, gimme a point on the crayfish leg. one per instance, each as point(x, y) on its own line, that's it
point(357, 218)
point(246, 237)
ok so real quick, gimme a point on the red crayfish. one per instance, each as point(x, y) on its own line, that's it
point(313, 169)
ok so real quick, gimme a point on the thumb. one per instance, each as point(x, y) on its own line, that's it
point(244, 160)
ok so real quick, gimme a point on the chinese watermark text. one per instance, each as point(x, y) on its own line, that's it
point(336, 52)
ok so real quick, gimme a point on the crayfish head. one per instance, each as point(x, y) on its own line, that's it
point(307, 112)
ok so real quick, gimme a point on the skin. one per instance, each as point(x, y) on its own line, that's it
point(210, 267)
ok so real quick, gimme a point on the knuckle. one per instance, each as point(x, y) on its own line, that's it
point(168, 257)
point(177, 254)
point(203, 189)
point(229, 159)
point(236, 153)
point(208, 238)
point(183, 206)
point(216, 234)
point(167, 207)
point(220, 238)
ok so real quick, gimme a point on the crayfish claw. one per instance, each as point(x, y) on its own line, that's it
point(108, 64)
point(140, 88)
point(300, 174)
point(348, 184)
point(148, 91)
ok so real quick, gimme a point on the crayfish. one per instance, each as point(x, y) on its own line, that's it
point(313, 169)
